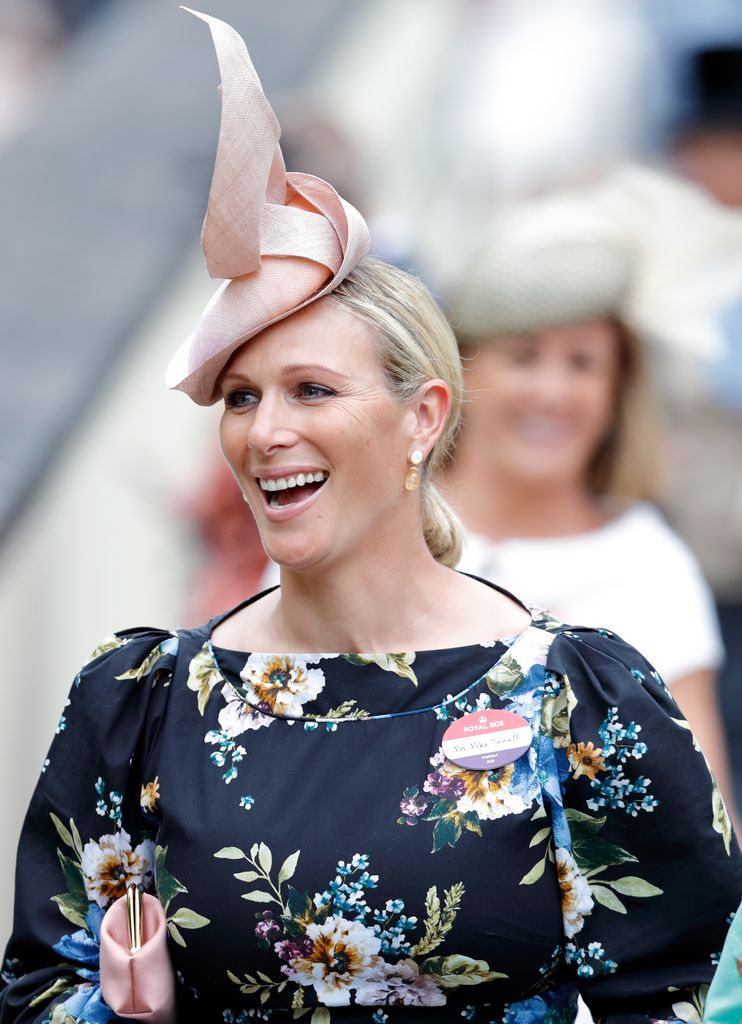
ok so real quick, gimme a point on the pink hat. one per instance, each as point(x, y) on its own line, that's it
point(281, 240)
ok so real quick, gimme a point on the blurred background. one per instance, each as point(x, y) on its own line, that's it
point(431, 116)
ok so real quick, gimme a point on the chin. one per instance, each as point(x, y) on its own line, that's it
point(545, 471)
point(296, 556)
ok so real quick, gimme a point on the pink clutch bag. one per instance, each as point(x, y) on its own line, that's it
point(136, 976)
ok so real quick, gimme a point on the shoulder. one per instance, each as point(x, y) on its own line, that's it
point(592, 646)
point(131, 654)
point(600, 658)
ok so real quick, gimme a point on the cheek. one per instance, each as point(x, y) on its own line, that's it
point(599, 405)
point(229, 436)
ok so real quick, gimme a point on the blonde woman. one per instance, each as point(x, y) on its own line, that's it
point(318, 853)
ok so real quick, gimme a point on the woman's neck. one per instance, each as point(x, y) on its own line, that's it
point(376, 600)
point(349, 607)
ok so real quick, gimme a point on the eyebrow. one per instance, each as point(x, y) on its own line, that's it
point(293, 368)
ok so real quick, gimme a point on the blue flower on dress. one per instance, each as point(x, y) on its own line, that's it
point(83, 949)
point(613, 787)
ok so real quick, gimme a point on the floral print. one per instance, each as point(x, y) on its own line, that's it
point(337, 945)
point(110, 864)
point(575, 892)
point(490, 896)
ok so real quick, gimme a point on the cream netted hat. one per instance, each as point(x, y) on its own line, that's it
point(641, 245)
point(546, 263)
point(281, 240)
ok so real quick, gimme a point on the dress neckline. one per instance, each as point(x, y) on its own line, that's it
point(532, 611)
point(335, 687)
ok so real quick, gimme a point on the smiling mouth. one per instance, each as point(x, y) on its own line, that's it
point(290, 490)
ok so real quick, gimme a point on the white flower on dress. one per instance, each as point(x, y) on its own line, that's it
point(577, 899)
point(486, 793)
point(237, 717)
point(109, 865)
point(400, 984)
point(344, 953)
point(281, 683)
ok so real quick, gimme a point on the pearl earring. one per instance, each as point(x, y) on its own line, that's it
point(412, 480)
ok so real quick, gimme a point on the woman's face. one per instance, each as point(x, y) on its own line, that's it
point(539, 405)
point(318, 445)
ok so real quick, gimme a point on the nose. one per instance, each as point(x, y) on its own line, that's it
point(270, 426)
point(552, 384)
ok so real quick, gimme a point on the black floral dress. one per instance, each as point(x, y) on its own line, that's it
point(319, 858)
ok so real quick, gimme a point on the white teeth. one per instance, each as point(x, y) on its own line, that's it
point(284, 483)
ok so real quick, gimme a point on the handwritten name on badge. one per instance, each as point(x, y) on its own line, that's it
point(484, 740)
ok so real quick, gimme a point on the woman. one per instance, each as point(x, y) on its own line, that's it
point(557, 466)
point(315, 849)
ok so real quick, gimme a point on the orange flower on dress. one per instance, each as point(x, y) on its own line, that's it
point(150, 794)
point(586, 760)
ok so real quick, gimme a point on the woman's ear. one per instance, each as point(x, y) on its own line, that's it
point(431, 407)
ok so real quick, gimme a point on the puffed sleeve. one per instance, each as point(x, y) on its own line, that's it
point(89, 829)
point(648, 869)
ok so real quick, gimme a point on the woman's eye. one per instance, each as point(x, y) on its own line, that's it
point(314, 391)
point(239, 399)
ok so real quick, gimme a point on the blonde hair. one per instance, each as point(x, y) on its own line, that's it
point(627, 464)
point(416, 344)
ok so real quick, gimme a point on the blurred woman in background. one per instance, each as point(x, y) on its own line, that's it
point(557, 467)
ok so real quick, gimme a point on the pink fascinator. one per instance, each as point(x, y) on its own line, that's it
point(280, 240)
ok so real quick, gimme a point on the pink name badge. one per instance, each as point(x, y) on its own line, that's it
point(488, 739)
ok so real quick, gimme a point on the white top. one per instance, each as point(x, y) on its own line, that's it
point(634, 576)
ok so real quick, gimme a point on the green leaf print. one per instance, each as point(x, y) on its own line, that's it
point(64, 833)
point(247, 876)
point(168, 886)
point(399, 664)
point(74, 878)
point(631, 885)
point(721, 823)
point(146, 666)
point(73, 910)
point(185, 918)
point(543, 833)
point(590, 850)
point(556, 712)
point(540, 836)
point(203, 676)
point(505, 676)
point(288, 867)
point(595, 852)
point(447, 832)
point(231, 853)
point(60, 985)
point(258, 896)
point(111, 643)
point(535, 873)
point(320, 1016)
point(439, 922)
point(451, 972)
point(265, 858)
point(608, 899)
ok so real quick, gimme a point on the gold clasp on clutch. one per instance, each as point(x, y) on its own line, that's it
point(134, 916)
